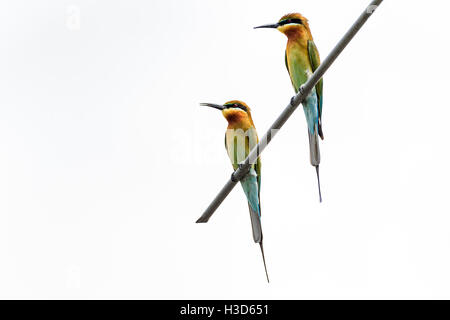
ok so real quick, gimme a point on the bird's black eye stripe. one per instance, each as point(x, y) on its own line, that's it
point(235, 105)
point(287, 21)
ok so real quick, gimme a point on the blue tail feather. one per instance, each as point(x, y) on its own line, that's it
point(311, 111)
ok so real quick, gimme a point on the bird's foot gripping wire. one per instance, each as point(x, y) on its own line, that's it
point(299, 92)
point(292, 101)
point(240, 173)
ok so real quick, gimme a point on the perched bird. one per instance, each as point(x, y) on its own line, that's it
point(240, 138)
point(302, 59)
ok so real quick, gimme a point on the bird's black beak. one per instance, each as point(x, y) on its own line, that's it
point(274, 26)
point(212, 105)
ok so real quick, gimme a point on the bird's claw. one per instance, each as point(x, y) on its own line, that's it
point(241, 168)
point(292, 101)
point(233, 177)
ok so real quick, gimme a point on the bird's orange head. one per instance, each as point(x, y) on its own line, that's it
point(236, 112)
point(292, 25)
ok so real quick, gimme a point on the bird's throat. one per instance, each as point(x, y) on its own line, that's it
point(238, 119)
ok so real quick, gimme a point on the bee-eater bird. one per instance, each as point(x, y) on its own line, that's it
point(240, 138)
point(302, 59)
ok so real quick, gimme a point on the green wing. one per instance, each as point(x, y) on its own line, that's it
point(285, 61)
point(287, 68)
point(314, 59)
point(258, 172)
point(254, 141)
point(257, 165)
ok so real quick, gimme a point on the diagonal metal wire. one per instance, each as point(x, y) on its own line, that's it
point(287, 112)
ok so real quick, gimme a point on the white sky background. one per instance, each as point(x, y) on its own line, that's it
point(107, 160)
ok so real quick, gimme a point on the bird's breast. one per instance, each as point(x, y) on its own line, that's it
point(298, 63)
point(239, 142)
